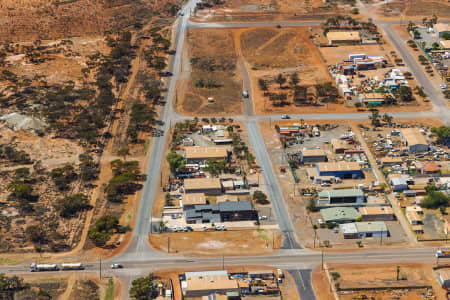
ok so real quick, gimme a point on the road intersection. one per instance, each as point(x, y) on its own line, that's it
point(140, 258)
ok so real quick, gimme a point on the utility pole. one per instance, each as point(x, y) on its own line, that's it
point(273, 240)
point(223, 261)
point(322, 259)
point(100, 267)
point(168, 244)
point(160, 179)
point(315, 234)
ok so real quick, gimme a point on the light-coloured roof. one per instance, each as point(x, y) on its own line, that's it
point(194, 198)
point(445, 274)
point(226, 198)
point(339, 144)
point(446, 44)
point(227, 183)
point(313, 152)
point(375, 210)
point(413, 215)
point(207, 275)
point(202, 183)
point(339, 213)
point(338, 166)
point(341, 193)
point(371, 226)
point(389, 159)
point(243, 283)
point(202, 284)
point(413, 136)
point(440, 27)
point(194, 152)
point(415, 208)
point(343, 36)
point(348, 228)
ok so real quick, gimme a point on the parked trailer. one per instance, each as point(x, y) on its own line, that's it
point(443, 253)
point(43, 267)
point(72, 266)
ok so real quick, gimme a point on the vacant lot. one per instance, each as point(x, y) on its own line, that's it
point(347, 277)
point(213, 74)
point(414, 9)
point(214, 243)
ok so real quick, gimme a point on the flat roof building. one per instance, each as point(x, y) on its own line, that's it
point(343, 170)
point(339, 146)
point(221, 212)
point(413, 217)
point(361, 230)
point(197, 154)
point(344, 196)
point(312, 156)
point(414, 140)
point(208, 186)
point(193, 199)
point(344, 37)
point(376, 213)
point(444, 278)
point(339, 214)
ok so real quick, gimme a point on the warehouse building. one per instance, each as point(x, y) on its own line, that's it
point(441, 29)
point(205, 283)
point(339, 214)
point(376, 213)
point(344, 37)
point(189, 200)
point(339, 146)
point(361, 230)
point(207, 186)
point(399, 184)
point(221, 212)
point(414, 140)
point(313, 156)
point(345, 196)
point(343, 170)
point(444, 278)
point(199, 155)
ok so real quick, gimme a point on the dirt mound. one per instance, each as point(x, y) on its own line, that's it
point(16, 121)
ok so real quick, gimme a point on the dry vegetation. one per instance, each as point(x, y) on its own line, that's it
point(65, 118)
point(415, 9)
point(213, 74)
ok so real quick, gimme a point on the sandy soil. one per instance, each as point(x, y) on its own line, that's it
point(216, 243)
point(217, 47)
point(384, 276)
point(411, 10)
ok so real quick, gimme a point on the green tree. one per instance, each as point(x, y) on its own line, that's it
point(375, 119)
point(280, 79)
point(104, 227)
point(123, 152)
point(62, 177)
point(215, 167)
point(435, 199)
point(294, 79)
point(441, 133)
point(176, 162)
point(387, 118)
point(262, 84)
point(142, 288)
point(69, 206)
point(37, 234)
point(311, 205)
point(260, 197)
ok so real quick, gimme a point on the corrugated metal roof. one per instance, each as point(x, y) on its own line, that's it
point(341, 193)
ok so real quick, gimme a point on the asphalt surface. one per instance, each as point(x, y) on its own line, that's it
point(139, 258)
point(302, 280)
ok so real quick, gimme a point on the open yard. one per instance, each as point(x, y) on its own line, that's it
point(216, 243)
point(214, 87)
point(414, 281)
point(416, 9)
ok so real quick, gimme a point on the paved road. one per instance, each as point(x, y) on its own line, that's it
point(139, 247)
point(302, 280)
point(272, 187)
